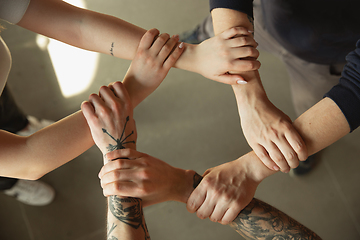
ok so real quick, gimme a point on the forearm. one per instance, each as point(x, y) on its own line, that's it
point(259, 220)
point(83, 28)
point(224, 19)
point(321, 125)
point(125, 219)
point(32, 157)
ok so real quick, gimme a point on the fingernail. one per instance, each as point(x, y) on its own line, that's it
point(181, 45)
point(240, 81)
point(176, 36)
point(250, 31)
point(276, 168)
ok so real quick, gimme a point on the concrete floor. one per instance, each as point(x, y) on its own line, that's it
point(183, 123)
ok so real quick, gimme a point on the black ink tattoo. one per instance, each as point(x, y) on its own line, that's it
point(112, 49)
point(132, 215)
point(196, 180)
point(259, 220)
point(251, 20)
point(110, 231)
point(119, 142)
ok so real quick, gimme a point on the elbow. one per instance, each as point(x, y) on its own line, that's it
point(32, 175)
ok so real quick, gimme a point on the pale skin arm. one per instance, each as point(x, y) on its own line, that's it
point(268, 130)
point(32, 157)
point(153, 180)
point(320, 126)
point(110, 35)
point(61, 142)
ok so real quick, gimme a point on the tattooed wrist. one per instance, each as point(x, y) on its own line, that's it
point(196, 180)
point(128, 211)
point(112, 49)
point(120, 142)
point(251, 20)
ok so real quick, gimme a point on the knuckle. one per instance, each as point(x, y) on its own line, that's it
point(115, 105)
point(172, 58)
point(166, 48)
point(294, 164)
point(200, 215)
point(206, 182)
point(233, 31)
point(273, 132)
point(277, 158)
point(102, 88)
point(93, 95)
point(117, 84)
point(126, 152)
point(242, 40)
point(115, 187)
point(224, 53)
point(285, 170)
point(103, 111)
point(251, 51)
point(261, 154)
point(163, 37)
point(290, 156)
point(114, 175)
point(286, 125)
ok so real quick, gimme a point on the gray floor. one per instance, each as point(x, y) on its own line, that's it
point(185, 122)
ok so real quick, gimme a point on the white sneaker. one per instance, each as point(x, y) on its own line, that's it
point(34, 126)
point(34, 193)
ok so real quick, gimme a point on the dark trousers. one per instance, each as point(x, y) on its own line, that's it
point(12, 119)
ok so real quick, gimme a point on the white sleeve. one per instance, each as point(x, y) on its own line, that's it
point(12, 11)
point(5, 60)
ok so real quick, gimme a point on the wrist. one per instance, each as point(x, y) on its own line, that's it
point(251, 95)
point(184, 185)
point(188, 60)
point(254, 168)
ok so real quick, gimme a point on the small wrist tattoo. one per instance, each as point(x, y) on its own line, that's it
point(196, 180)
point(112, 49)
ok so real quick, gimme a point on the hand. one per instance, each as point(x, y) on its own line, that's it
point(271, 135)
point(135, 174)
point(234, 50)
point(153, 60)
point(224, 191)
point(110, 118)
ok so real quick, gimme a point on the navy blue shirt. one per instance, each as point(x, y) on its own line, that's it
point(346, 94)
point(318, 31)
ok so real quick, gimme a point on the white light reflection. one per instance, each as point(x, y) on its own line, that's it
point(75, 68)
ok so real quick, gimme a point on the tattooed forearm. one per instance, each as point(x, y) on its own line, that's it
point(120, 142)
point(131, 214)
point(259, 220)
point(129, 211)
